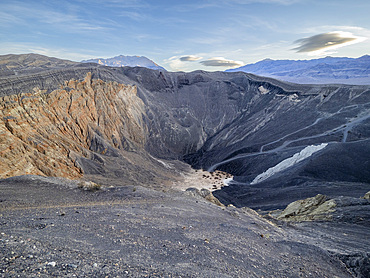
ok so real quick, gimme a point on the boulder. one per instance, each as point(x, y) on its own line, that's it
point(314, 208)
point(204, 193)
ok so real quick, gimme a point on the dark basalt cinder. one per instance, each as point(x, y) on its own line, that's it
point(239, 123)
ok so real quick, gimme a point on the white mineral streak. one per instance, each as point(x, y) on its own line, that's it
point(289, 162)
point(166, 165)
point(227, 181)
point(263, 90)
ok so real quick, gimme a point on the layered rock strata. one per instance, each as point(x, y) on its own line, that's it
point(45, 134)
point(235, 122)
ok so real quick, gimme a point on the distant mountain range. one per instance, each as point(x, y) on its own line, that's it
point(126, 61)
point(340, 70)
point(12, 64)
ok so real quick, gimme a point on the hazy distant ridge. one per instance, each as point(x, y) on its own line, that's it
point(325, 70)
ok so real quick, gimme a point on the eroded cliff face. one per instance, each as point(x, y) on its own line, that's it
point(235, 122)
point(46, 134)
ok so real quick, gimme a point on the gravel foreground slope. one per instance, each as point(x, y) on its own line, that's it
point(51, 228)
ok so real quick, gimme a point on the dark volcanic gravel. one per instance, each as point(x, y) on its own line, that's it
point(51, 228)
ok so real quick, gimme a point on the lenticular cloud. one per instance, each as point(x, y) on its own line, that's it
point(326, 41)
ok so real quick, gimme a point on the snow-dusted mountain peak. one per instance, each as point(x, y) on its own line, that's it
point(339, 70)
point(126, 61)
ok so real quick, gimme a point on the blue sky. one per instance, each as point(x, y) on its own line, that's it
point(187, 35)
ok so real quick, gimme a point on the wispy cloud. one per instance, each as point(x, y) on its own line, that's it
point(24, 13)
point(324, 28)
point(70, 23)
point(221, 3)
point(193, 6)
point(326, 41)
point(221, 62)
point(137, 16)
point(190, 58)
point(146, 37)
point(124, 4)
point(257, 23)
point(280, 2)
point(175, 64)
point(9, 19)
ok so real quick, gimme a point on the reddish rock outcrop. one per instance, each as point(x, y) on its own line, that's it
point(43, 133)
